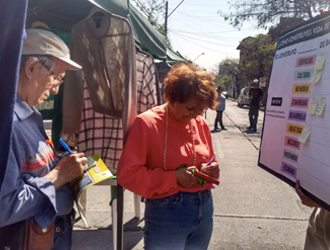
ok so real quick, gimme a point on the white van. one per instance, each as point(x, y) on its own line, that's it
point(243, 98)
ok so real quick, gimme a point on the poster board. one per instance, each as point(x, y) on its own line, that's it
point(295, 141)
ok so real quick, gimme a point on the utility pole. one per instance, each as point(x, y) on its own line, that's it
point(167, 16)
point(166, 11)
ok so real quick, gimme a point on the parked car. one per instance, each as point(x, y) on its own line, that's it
point(243, 98)
point(225, 93)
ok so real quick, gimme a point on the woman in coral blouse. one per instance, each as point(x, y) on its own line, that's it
point(164, 148)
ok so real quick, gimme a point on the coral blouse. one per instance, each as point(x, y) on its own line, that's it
point(141, 166)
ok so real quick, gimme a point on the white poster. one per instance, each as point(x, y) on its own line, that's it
point(296, 134)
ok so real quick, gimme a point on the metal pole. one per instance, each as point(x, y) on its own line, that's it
point(166, 11)
point(199, 56)
point(120, 213)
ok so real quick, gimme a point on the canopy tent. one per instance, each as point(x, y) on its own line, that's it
point(174, 57)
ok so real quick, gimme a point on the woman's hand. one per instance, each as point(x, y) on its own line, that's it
point(211, 170)
point(184, 176)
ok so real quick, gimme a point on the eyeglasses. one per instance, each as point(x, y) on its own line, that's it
point(57, 81)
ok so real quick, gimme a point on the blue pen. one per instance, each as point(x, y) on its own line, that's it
point(65, 146)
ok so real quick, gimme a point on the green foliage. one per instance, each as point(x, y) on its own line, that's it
point(256, 57)
point(266, 12)
point(228, 75)
point(226, 82)
point(154, 10)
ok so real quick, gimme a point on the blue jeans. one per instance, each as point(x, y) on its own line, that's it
point(63, 232)
point(180, 221)
point(218, 119)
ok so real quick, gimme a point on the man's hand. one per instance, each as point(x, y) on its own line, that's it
point(68, 169)
point(304, 199)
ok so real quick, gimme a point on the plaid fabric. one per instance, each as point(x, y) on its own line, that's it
point(100, 134)
point(147, 84)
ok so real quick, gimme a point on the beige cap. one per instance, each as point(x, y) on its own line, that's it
point(43, 42)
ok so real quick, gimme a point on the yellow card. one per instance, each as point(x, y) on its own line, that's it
point(301, 88)
point(294, 129)
point(99, 171)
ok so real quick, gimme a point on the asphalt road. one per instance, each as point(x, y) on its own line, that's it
point(253, 209)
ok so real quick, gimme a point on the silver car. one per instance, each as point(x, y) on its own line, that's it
point(243, 98)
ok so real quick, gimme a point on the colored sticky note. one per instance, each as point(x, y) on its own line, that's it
point(316, 76)
point(321, 106)
point(294, 129)
point(305, 134)
point(320, 61)
point(301, 88)
point(312, 105)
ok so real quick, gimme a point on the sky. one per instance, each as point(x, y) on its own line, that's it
point(195, 28)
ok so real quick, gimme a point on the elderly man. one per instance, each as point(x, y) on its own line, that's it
point(36, 181)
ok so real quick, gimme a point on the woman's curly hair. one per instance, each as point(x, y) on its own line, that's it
point(186, 80)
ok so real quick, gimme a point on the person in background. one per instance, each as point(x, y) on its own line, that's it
point(256, 96)
point(36, 181)
point(163, 149)
point(220, 109)
point(318, 231)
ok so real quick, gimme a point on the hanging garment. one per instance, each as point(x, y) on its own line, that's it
point(100, 134)
point(103, 44)
point(103, 134)
point(147, 84)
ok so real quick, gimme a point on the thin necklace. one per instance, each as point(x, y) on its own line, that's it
point(165, 148)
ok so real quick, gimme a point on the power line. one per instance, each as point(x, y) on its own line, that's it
point(210, 34)
point(191, 40)
point(186, 15)
point(202, 40)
